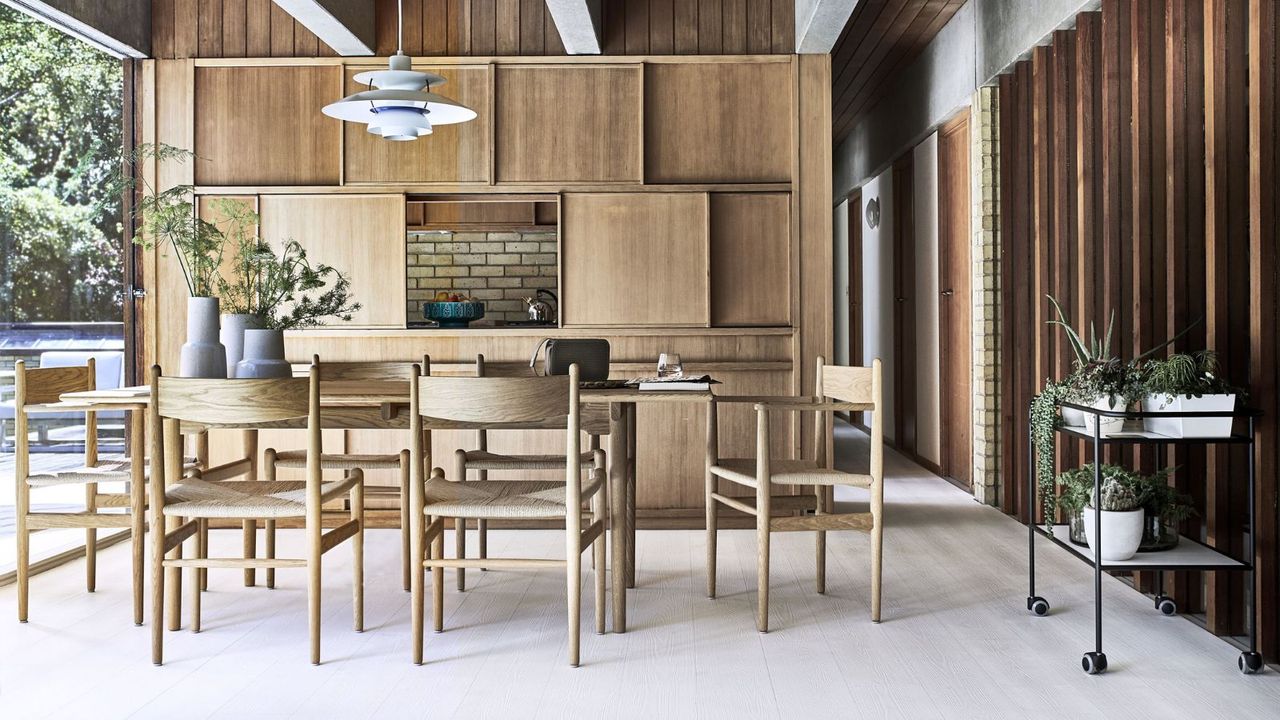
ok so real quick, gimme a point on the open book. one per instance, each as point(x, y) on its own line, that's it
point(675, 383)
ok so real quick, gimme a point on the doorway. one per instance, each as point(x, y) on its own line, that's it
point(955, 301)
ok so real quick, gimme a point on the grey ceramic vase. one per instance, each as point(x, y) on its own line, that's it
point(263, 355)
point(202, 356)
point(232, 337)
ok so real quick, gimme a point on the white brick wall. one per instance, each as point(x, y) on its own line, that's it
point(499, 268)
point(985, 171)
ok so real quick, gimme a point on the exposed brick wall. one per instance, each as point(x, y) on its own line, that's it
point(985, 162)
point(499, 268)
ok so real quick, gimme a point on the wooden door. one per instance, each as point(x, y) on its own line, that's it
point(854, 299)
point(904, 305)
point(954, 304)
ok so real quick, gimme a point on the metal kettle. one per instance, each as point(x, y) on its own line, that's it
point(542, 311)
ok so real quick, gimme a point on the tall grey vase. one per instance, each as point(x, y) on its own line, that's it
point(202, 356)
point(263, 355)
point(232, 337)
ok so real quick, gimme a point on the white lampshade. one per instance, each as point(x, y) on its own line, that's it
point(401, 108)
point(400, 123)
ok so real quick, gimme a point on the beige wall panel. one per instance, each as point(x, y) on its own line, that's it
point(717, 122)
point(360, 235)
point(263, 125)
point(750, 259)
point(568, 123)
point(635, 259)
point(456, 153)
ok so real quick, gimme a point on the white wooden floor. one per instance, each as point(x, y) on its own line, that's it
point(957, 641)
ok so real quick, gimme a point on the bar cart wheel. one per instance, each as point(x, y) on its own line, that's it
point(1038, 606)
point(1166, 605)
point(1250, 662)
point(1095, 663)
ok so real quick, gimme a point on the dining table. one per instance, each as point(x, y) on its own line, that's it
point(383, 405)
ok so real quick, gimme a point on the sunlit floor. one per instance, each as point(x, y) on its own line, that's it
point(956, 641)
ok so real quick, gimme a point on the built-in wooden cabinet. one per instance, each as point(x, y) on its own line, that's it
point(361, 235)
point(457, 153)
point(567, 123)
point(718, 122)
point(635, 259)
point(750, 259)
point(263, 125)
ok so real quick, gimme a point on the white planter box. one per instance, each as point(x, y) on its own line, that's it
point(1072, 417)
point(1110, 425)
point(1121, 533)
point(1189, 427)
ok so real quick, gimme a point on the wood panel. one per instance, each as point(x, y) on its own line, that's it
point(904, 306)
point(457, 153)
point(361, 235)
point(262, 125)
point(1138, 155)
point(701, 118)
point(635, 259)
point(750, 259)
point(577, 123)
point(882, 38)
point(229, 28)
point(955, 332)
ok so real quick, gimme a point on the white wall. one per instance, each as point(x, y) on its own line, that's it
point(840, 231)
point(877, 288)
point(928, 377)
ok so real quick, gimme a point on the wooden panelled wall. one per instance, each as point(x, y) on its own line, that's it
point(259, 28)
point(1138, 176)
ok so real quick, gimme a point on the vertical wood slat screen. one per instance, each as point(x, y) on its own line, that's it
point(1138, 174)
point(259, 28)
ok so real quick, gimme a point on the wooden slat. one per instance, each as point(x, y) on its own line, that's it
point(507, 30)
point(162, 33)
point(233, 28)
point(186, 29)
point(685, 16)
point(532, 40)
point(435, 27)
point(413, 40)
point(257, 31)
point(484, 26)
point(281, 32)
point(710, 31)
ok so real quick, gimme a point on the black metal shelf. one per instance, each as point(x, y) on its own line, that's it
point(1190, 554)
point(1144, 437)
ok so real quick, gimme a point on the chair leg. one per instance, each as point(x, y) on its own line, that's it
point(877, 552)
point(202, 544)
point(820, 550)
point(91, 539)
point(460, 524)
point(202, 551)
point(174, 579)
point(404, 519)
point(417, 591)
point(713, 512)
point(137, 546)
point(24, 562)
point(271, 552)
point(437, 584)
point(357, 549)
point(762, 561)
point(598, 505)
point(313, 589)
point(573, 582)
point(158, 572)
point(482, 529)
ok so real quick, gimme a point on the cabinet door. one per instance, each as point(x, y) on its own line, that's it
point(635, 259)
point(750, 259)
point(363, 236)
point(263, 125)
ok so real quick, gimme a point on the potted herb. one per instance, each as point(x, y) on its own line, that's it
point(238, 222)
point(1121, 517)
point(168, 219)
point(1163, 506)
point(1106, 385)
point(1187, 382)
point(282, 291)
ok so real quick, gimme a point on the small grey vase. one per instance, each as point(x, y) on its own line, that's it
point(263, 355)
point(202, 356)
point(232, 337)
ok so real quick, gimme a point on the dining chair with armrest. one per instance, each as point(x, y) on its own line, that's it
point(853, 389)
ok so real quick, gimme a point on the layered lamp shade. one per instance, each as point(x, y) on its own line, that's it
point(402, 107)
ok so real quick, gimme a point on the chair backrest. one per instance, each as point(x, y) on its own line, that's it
point(481, 401)
point(44, 384)
point(371, 371)
point(240, 403)
point(109, 364)
point(851, 384)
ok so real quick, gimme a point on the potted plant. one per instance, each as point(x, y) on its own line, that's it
point(1109, 385)
point(1187, 382)
point(238, 222)
point(1121, 517)
point(1163, 506)
point(168, 219)
point(282, 291)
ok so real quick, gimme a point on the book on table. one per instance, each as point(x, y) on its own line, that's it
point(675, 383)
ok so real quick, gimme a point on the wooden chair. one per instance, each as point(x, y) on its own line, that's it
point(182, 509)
point(461, 403)
point(375, 372)
point(595, 422)
point(36, 392)
point(856, 389)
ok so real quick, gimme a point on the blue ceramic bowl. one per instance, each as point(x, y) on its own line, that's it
point(453, 314)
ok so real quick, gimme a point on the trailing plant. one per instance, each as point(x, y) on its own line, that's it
point(1044, 421)
point(168, 219)
point(285, 291)
point(1189, 374)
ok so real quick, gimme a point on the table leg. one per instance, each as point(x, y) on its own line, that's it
point(137, 505)
point(631, 494)
point(250, 541)
point(617, 513)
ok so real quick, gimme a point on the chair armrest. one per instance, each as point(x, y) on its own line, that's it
point(803, 404)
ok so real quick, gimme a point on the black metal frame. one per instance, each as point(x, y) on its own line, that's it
point(1095, 662)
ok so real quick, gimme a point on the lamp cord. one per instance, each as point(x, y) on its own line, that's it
point(400, 26)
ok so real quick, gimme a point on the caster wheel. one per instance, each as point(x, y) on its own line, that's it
point(1166, 605)
point(1094, 663)
point(1038, 606)
point(1250, 662)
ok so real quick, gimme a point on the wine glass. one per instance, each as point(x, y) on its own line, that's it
point(669, 365)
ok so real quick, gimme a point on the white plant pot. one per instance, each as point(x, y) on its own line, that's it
point(232, 337)
point(1072, 417)
point(1121, 533)
point(1110, 425)
point(263, 355)
point(1189, 427)
point(202, 356)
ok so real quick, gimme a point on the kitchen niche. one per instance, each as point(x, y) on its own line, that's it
point(498, 250)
